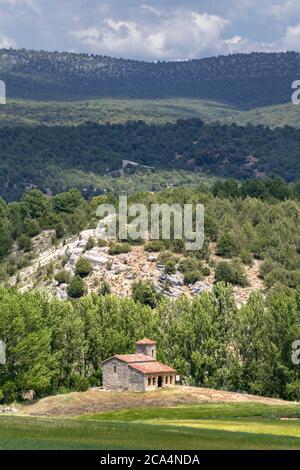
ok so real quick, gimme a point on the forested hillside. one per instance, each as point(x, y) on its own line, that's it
point(29, 155)
point(245, 80)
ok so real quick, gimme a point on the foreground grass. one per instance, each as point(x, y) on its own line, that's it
point(208, 426)
point(39, 434)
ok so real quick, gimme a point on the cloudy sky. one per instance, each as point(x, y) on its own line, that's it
point(151, 29)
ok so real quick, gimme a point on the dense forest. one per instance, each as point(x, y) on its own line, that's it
point(245, 80)
point(55, 346)
point(28, 155)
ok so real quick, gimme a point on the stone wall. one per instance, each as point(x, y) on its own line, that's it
point(136, 380)
point(115, 375)
point(147, 349)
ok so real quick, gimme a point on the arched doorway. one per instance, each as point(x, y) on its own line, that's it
point(159, 381)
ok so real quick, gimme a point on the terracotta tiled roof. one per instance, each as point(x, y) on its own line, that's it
point(130, 358)
point(146, 341)
point(152, 367)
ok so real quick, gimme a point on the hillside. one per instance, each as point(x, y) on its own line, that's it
point(101, 401)
point(29, 156)
point(101, 111)
point(244, 80)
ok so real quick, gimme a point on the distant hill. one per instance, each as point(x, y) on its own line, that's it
point(28, 156)
point(243, 80)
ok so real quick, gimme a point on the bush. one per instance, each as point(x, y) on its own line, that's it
point(119, 248)
point(232, 273)
point(60, 230)
point(83, 267)
point(206, 271)
point(246, 257)
point(189, 264)
point(166, 256)
point(79, 383)
point(62, 277)
point(90, 244)
point(76, 288)
point(192, 277)
point(170, 267)
point(154, 246)
point(105, 288)
point(24, 243)
point(227, 246)
point(102, 243)
point(145, 293)
point(9, 392)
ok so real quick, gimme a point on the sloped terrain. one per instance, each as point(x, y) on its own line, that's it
point(98, 400)
point(244, 80)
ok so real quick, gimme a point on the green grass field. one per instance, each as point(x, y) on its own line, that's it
point(214, 426)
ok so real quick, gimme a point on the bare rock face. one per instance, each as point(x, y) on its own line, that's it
point(96, 257)
point(61, 292)
point(85, 235)
point(29, 395)
point(174, 280)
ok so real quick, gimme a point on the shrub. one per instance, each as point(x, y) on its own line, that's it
point(119, 248)
point(206, 271)
point(170, 267)
point(102, 243)
point(60, 230)
point(246, 257)
point(227, 246)
point(83, 267)
point(76, 288)
point(90, 244)
point(9, 392)
point(145, 293)
point(192, 277)
point(232, 273)
point(79, 383)
point(24, 243)
point(154, 246)
point(105, 288)
point(166, 256)
point(62, 277)
point(189, 264)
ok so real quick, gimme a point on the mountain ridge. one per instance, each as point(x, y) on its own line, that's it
point(248, 80)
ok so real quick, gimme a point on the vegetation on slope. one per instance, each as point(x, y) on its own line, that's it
point(28, 155)
point(68, 113)
point(246, 80)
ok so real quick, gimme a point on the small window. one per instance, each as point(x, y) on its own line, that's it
point(167, 380)
point(154, 380)
point(115, 369)
point(171, 379)
point(152, 352)
point(149, 381)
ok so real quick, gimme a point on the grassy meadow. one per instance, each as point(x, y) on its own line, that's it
point(201, 427)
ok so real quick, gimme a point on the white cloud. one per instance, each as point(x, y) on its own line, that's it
point(6, 43)
point(239, 44)
point(180, 35)
point(291, 39)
